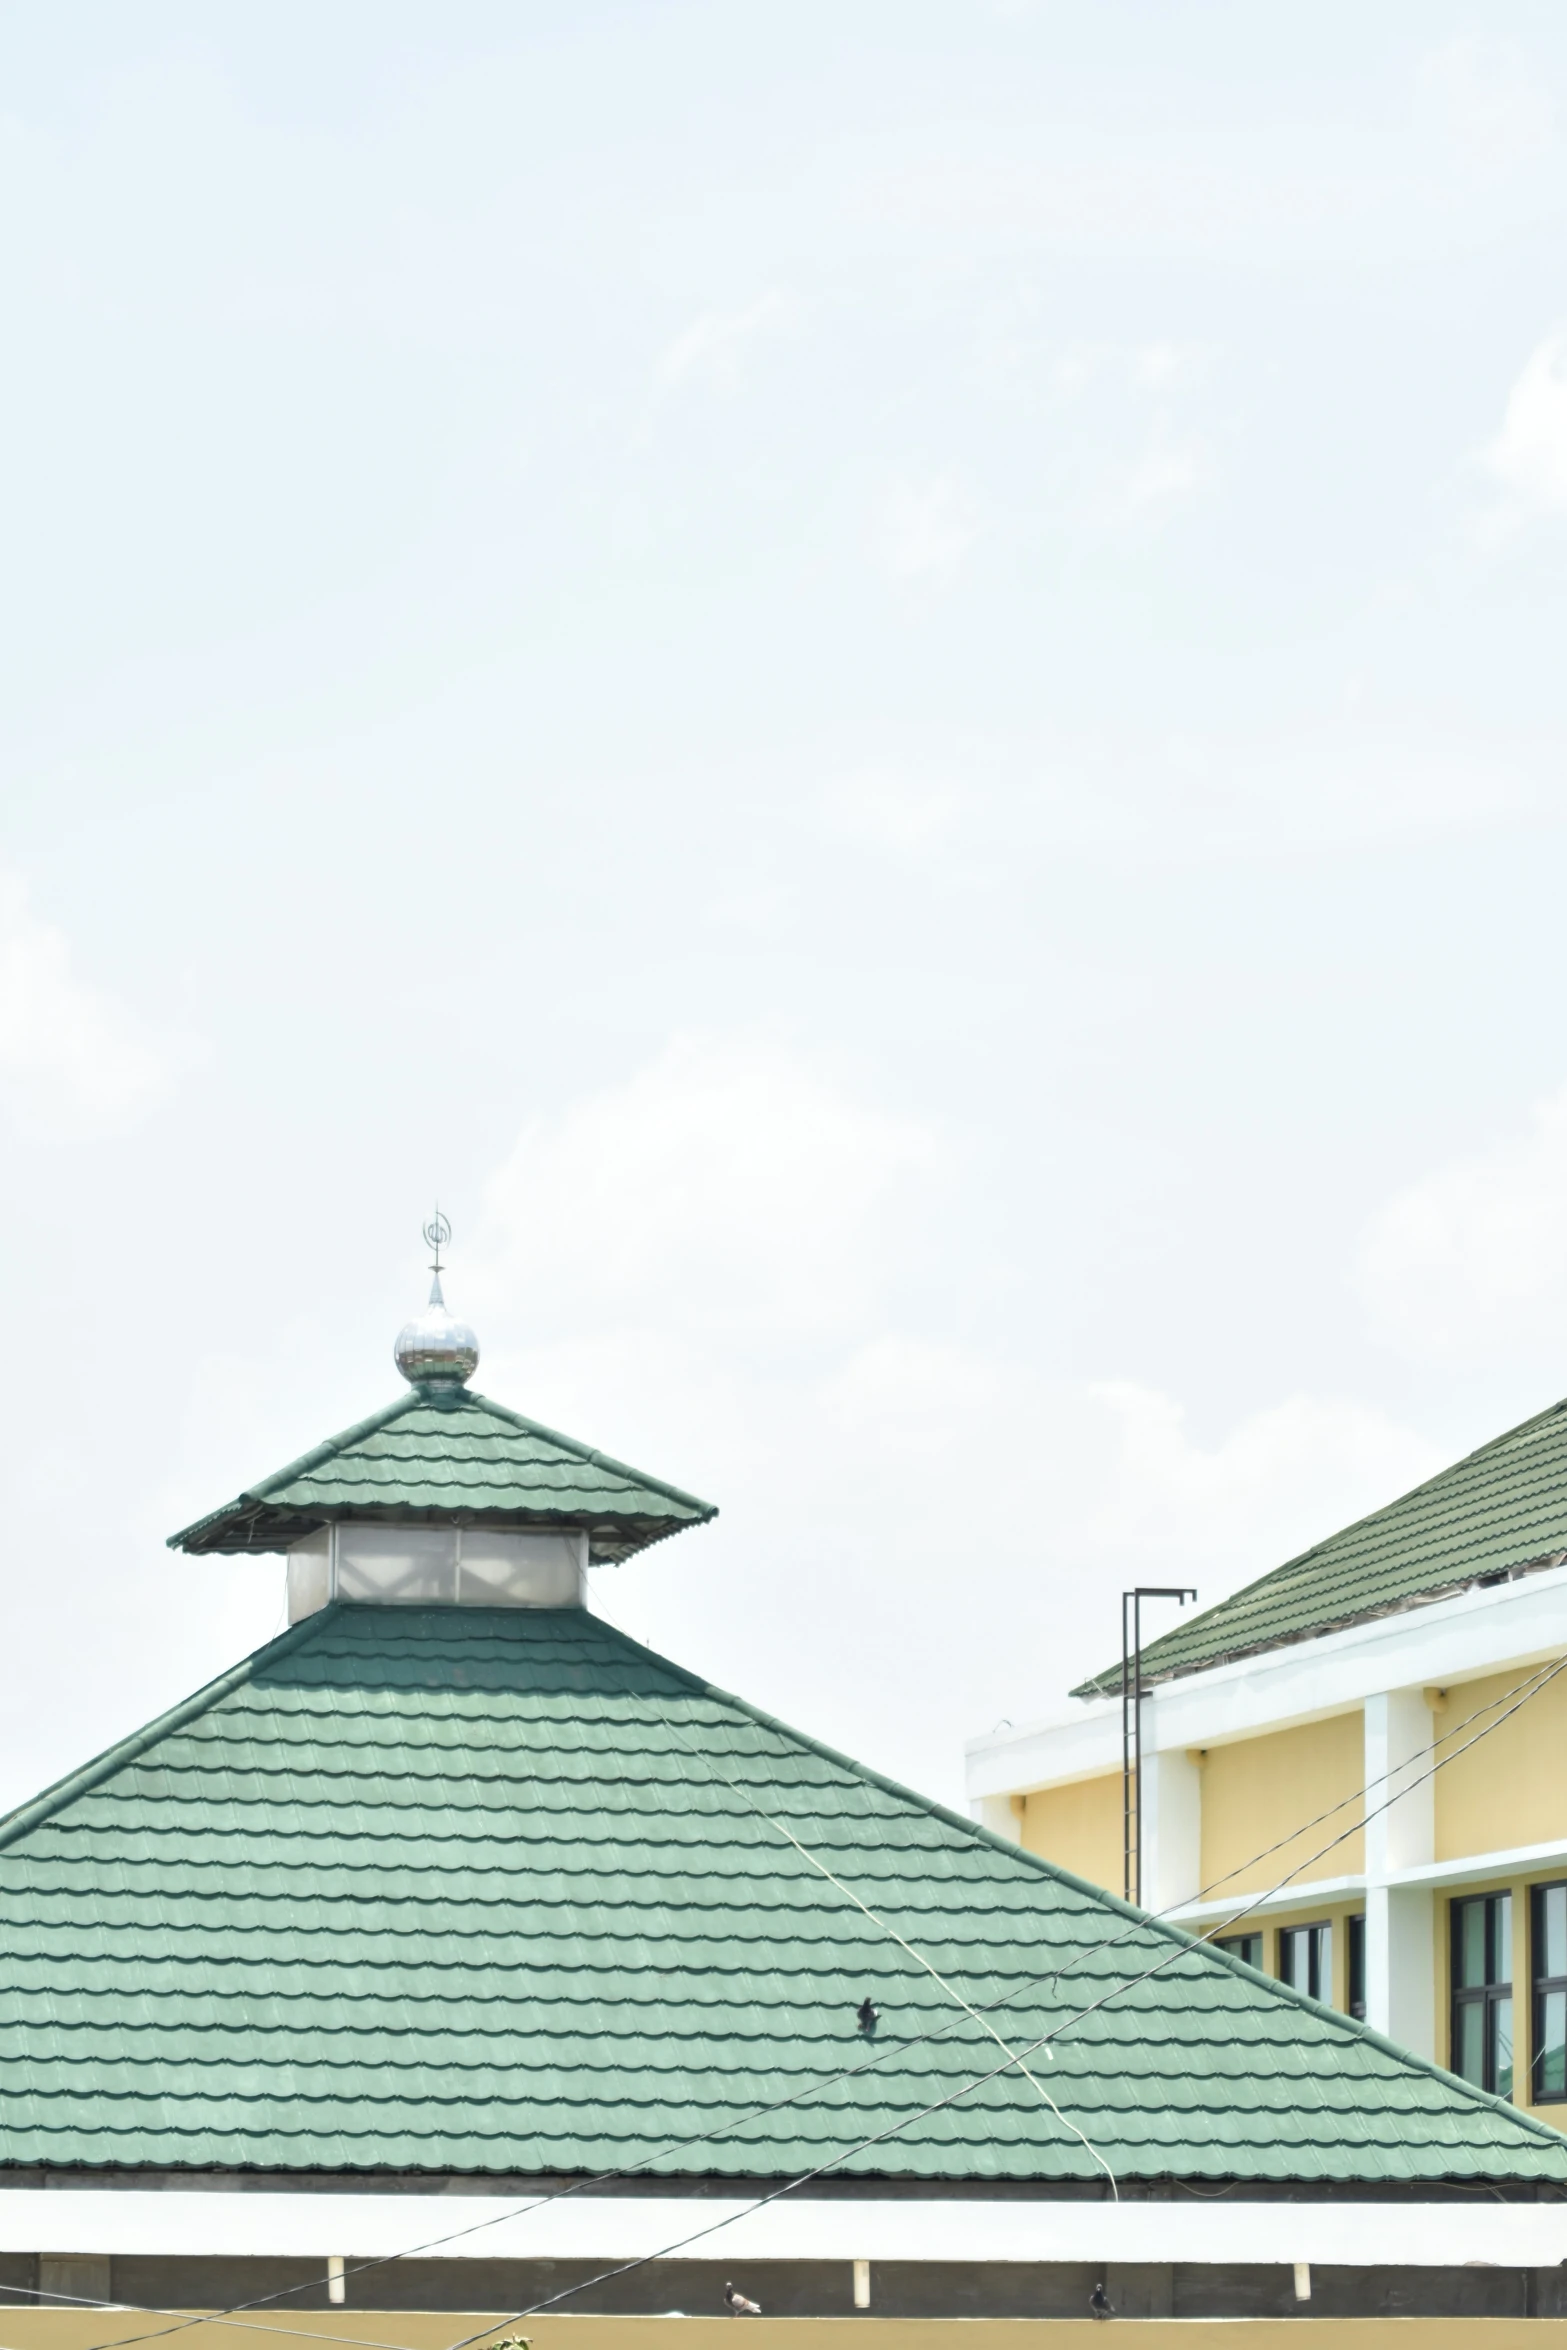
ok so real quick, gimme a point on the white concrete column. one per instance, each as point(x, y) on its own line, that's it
point(1400, 1834)
point(1172, 1826)
point(1001, 1814)
point(1401, 1965)
point(1401, 1817)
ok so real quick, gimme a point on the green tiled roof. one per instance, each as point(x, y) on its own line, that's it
point(461, 1890)
point(437, 1455)
point(1500, 1510)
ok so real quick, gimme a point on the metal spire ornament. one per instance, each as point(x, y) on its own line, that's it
point(435, 1351)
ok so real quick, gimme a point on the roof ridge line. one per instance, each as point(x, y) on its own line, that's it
point(591, 1452)
point(88, 1775)
point(326, 1450)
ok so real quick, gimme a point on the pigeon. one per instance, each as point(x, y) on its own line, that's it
point(1099, 2304)
point(868, 2014)
point(739, 2306)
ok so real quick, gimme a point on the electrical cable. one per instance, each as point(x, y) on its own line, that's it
point(917, 1955)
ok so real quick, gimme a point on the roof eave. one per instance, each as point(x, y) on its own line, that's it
point(251, 1527)
point(1109, 1684)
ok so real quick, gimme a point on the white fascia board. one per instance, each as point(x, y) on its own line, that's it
point(1321, 1893)
point(175, 2223)
point(1441, 1645)
point(1475, 1868)
point(1518, 1860)
point(1082, 1745)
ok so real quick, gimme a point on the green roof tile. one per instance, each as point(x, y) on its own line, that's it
point(434, 1455)
point(470, 1890)
point(1499, 1511)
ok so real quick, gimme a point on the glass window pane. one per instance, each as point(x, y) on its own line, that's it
point(503, 1569)
point(1357, 1966)
point(1501, 2046)
point(397, 1562)
point(1290, 1956)
point(1469, 2040)
point(1501, 1937)
point(1322, 1968)
point(1550, 1957)
point(1469, 1945)
point(1550, 2055)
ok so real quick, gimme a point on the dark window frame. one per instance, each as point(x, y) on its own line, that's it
point(1355, 1963)
point(1232, 1944)
point(1317, 1928)
point(1489, 1996)
point(1540, 1986)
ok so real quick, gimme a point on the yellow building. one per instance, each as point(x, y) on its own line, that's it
point(1355, 1771)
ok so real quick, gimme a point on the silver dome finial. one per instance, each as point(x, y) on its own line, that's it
point(435, 1350)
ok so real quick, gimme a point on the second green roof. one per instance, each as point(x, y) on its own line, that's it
point(1498, 1512)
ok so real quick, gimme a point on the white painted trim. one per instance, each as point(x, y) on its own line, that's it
point(621, 2227)
point(1519, 1860)
point(1319, 1893)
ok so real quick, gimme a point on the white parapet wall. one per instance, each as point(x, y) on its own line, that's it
point(175, 2223)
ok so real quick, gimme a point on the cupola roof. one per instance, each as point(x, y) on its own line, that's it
point(443, 1455)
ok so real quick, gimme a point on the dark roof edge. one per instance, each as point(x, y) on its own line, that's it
point(88, 1775)
point(1177, 1935)
point(949, 2187)
point(326, 1450)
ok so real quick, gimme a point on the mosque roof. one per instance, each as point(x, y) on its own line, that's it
point(470, 1890)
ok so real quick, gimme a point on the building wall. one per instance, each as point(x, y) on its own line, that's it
point(1079, 1826)
point(1510, 1787)
point(1256, 1790)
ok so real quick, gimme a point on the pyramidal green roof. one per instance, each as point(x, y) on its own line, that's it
point(461, 1890)
point(1498, 1512)
point(444, 1454)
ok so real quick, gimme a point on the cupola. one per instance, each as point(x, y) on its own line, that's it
point(445, 1498)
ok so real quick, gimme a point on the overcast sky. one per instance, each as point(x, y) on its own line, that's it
point(885, 684)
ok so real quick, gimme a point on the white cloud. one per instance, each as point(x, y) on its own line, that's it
point(72, 1060)
point(721, 1269)
point(712, 348)
point(1488, 98)
point(729, 1187)
point(1528, 458)
point(888, 810)
point(927, 527)
point(1471, 1260)
point(1169, 471)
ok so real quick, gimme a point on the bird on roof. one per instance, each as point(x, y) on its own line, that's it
point(1099, 2303)
point(739, 2306)
point(868, 2014)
